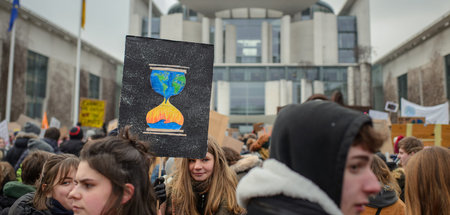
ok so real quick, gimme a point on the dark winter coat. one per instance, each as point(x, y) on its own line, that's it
point(24, 206)
point(20, 145)
point(72, 146)
point(309, 147)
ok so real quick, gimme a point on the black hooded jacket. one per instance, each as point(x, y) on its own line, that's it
point(312, 140)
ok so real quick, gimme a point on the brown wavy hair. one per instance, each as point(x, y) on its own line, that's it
point(57, 165)
point(123, 159)
point(222, 189)
point(427, 186)
point(381, 171)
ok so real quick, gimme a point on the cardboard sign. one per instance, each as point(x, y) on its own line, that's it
point(382, 126)
point(55, 123)
point(4, 132)
point(218, 124)
point(232, 143)
point(24, 119)
point(92, 112)
point(112, 125)
point(166, 94)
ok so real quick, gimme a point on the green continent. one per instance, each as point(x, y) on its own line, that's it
point(163, 77)
point(178, 82)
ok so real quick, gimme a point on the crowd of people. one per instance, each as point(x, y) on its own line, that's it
point(320, 158)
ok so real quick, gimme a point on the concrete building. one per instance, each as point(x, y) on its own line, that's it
point(44, 69)
point(417, 70)
point(270, 53)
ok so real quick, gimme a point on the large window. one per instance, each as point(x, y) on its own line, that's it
point(347, 39)
point(36, 84)
point(155, 27)
point(402, 84)
point(94, 86)
point(247, 98)
point(447, 69)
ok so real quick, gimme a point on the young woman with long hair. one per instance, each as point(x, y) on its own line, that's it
point(203, 186)
point(387, 201)
point(427, 186)
point(112, 178)
point(52, 188)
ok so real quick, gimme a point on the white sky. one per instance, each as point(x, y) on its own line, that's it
point(392, 21)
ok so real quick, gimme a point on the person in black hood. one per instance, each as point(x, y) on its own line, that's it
point(320, 163)
point(75, 144)
point(29, 131)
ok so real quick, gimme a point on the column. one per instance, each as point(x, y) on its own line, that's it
point(230, 43)
point(205, 30)
point(223, 97)
point(365, 84)
point(218, 41)
point(350, 86)
point(265, 41)
point(318, 87)
point(306, 89)
point(285, 39)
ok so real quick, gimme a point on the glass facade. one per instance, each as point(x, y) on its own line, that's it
point(377, 88)
point(36, 84)
point(247, 99)
point(94, 86)
point(347, 39)
point(248, 39)
point(156, 24)
point(247, 84)
point(402, 86)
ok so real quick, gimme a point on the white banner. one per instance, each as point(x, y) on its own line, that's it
point(4, 131)
point(433, 115)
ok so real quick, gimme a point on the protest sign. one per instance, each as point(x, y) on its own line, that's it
point(232, 143)
point(4, 132)
point(166, 93)
point(437, 114)
point(92, 112)
point(218, 124)
point(112, 125)
point(431, 134)
point(55, 123)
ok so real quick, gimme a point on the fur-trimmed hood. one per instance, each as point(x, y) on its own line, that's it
point(245, 163)
point(277, 179)
point(26, 135)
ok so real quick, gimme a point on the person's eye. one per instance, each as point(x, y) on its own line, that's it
point(88, 186)
point(355, 168)
point(191, 160)
point(65, 182)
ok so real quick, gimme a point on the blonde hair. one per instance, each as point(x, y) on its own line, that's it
point(222, 188)
point(381, 171)
point(427, 189)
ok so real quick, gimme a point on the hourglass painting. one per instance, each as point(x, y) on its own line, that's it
point(167, 81)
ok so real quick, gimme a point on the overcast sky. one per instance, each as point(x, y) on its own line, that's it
point(392, 21)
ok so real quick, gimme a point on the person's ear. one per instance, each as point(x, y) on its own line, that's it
point(127, 193)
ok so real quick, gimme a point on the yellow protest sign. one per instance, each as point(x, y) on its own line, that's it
point(92, 112)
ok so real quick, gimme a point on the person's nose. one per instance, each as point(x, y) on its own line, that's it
point(74, 194)
point(197, 164)
point(371, 184)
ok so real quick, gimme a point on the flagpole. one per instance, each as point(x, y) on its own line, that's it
point(10, 73)
point(149, 31)
point(77, 74)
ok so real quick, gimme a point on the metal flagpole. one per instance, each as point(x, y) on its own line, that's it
point(149, 32)
point(77, 74)
point(10, 74)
